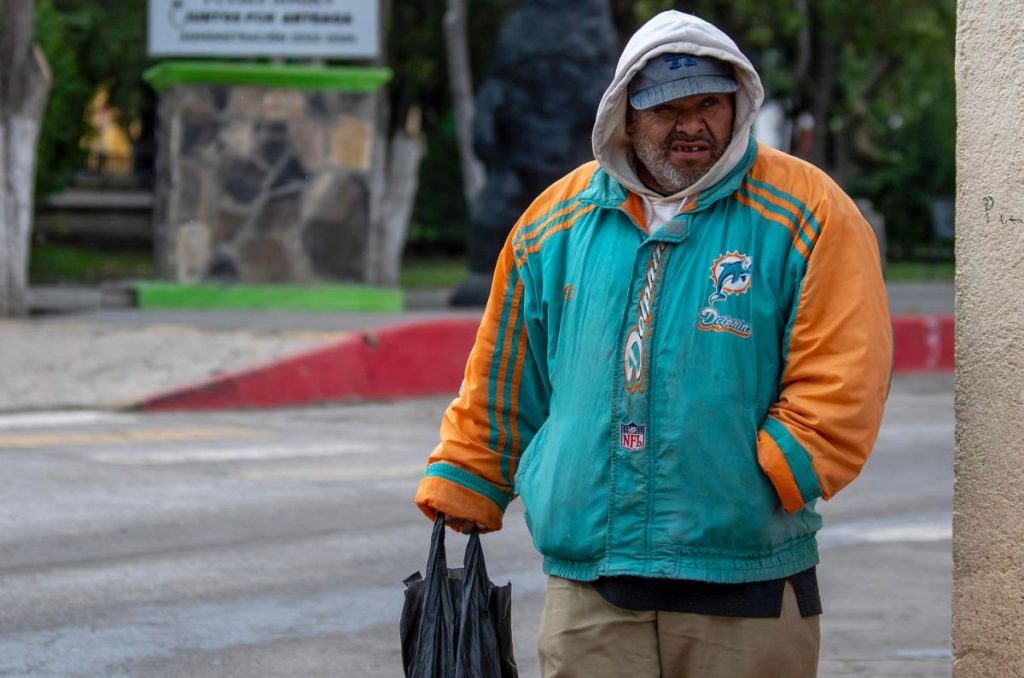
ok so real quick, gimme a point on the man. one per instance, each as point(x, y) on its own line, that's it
point(687, 343)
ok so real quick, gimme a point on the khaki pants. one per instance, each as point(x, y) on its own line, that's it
point(584, 636)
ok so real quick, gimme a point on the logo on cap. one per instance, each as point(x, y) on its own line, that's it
point(674, 60)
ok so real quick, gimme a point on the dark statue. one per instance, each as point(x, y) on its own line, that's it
point(534, 114)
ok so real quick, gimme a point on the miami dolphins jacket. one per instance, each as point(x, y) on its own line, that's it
point(672, 404)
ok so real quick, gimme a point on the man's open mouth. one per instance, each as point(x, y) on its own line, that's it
point(689, 147)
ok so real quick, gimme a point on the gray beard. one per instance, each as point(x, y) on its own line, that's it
point(654, 157)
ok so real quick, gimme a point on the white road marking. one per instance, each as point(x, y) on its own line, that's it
point(44, 439)
point(62, 418)
point(911, 528)
point(229, 454)
point(332, 474)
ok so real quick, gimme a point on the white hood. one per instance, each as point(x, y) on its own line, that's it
point(672, 32)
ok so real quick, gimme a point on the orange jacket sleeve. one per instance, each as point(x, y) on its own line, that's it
point(500, 406)
point(838, 362)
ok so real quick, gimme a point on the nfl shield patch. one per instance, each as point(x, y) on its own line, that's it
point(632, 436)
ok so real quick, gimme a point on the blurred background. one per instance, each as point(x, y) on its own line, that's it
point(866, 95)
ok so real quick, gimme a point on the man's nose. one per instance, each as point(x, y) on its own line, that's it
point(689, 122)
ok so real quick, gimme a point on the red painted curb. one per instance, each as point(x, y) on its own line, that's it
point(429, 358)
point(397, 362)
point(923, 344)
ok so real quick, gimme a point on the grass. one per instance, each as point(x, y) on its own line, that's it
point(919, 271)
point(432, 272)
point(66, 264)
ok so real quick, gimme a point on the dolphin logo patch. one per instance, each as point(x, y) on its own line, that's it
point(731, 274)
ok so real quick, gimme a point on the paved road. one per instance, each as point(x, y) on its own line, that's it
point(274, 543)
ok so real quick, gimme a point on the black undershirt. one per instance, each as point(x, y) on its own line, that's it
point(754, 599)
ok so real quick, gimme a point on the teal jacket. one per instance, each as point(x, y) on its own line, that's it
point(672, 404)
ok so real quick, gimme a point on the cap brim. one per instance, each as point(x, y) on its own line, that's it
point(686, 87)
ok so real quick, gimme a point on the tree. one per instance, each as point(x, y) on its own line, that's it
point(423, 78)
point(461, 81)
point(24, 87)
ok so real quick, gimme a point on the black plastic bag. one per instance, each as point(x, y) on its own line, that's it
point(456, 623)
point(430, 615)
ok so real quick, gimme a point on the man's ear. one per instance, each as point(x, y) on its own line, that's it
point(630, 119)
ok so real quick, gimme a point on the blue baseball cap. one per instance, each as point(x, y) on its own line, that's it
point(673, 76)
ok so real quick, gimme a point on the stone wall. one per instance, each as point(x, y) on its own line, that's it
point(988, 527)
point(264, 185)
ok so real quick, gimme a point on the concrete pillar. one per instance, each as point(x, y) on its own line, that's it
point(988, 522)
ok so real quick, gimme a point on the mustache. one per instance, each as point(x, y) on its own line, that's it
point(687, 138)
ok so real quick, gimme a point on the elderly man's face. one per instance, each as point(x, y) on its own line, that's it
point(678, 141)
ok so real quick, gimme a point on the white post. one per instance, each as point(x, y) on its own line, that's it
point(988, 518)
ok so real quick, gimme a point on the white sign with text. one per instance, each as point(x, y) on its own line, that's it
point(264, 28)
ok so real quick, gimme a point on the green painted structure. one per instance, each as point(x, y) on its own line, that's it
point(327, 298)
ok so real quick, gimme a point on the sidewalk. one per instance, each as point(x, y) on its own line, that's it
point(113, 358)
